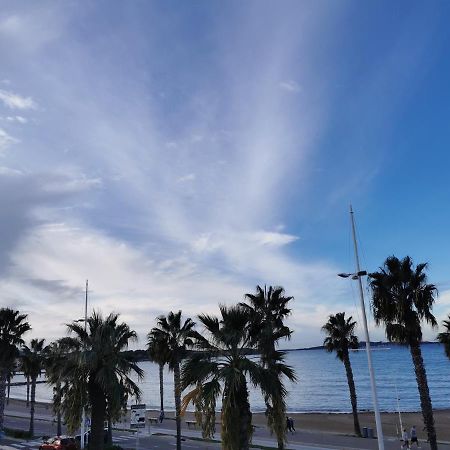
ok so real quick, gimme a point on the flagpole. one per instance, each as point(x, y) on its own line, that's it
point(366, 333)
point(83, 415)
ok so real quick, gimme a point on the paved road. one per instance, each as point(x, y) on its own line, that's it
point(18, 417)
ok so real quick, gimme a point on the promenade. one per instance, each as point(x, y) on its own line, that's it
point(162, 436)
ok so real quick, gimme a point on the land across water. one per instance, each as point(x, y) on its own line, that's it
point(328, 423)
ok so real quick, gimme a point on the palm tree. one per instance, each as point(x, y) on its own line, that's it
point(340, 338)
point(402, 299)
point(32, 363)
point(98, 364)
point(13, 326)
point(56, 353)
point(176, 336)
point(220, 368)
point(158, 353)
point(444, 338)
point(268, 309)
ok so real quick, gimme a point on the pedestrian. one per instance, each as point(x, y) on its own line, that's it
point(405, 439)
point(414, 439)
point(292, 424)
point(288, 424)
point(161, 416)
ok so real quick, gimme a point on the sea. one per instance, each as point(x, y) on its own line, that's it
point(322, 383)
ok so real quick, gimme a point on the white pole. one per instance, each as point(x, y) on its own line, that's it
point(83, 414)
point(368, 350)
point(398, 409)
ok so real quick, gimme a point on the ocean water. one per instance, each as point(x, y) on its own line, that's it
point(322, 385)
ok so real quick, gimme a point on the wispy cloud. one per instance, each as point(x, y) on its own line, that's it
point(188, 177)
point(10, 172)
point(169, 200)
point(19, 119)
point(170, 204)
point(16, 101)
point(273, 238)
point(290, 86)
point(5, 140)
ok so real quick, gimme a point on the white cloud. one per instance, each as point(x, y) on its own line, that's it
point(7, 171)
point(290, 86)
point(16, 101)
point(5, 140)
point(171, 144)
point(273, 238)
point(188, 177)
point(19, 119)
point(148, 244)
point(63, 183)
point(33, 27)
point(121, 279)
point(210, 242)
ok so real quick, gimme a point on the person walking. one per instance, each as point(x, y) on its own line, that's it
point(405, 439)
point(413, 434)
point(291, 420)
point(288, 424)
point(161, 416)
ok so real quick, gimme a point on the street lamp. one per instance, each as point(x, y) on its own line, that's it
point(354, 276)
point(83, 413)
point(357, 276)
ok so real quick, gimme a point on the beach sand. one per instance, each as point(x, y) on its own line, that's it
point(316, 422)
point(343, 423)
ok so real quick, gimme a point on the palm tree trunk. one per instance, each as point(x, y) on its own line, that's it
point(230, 425)
point(177, 392)
point(110, 441)
point(3, 376)
point(424, 393)
point(28, 391)
point(58, 423)
point(161, 385)
point(57, 406)
point(9, 390)
point(33, 401)
point(245, 417)
point(351, 387)
point(279, 421)
point(98, 404)
point(277, 407)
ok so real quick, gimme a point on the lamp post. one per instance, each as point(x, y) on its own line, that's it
point(83, 413)
point(357, 276)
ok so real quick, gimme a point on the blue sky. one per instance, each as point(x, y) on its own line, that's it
point(179, 153)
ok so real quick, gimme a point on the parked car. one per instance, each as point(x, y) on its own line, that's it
point(59, 443)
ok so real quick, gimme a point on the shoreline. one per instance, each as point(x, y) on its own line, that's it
point(45, 403)
point(322, 422)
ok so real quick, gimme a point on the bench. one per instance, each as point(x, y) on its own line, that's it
point(153, 419)
point(191, 422)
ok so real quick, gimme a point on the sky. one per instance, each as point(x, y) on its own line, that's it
point(177, 154)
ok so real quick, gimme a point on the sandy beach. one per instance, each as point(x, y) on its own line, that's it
point(343, 423)
point(316, 422)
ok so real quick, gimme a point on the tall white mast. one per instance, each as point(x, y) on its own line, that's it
point(366, 333)
point(83, 415)
point(398, 409)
